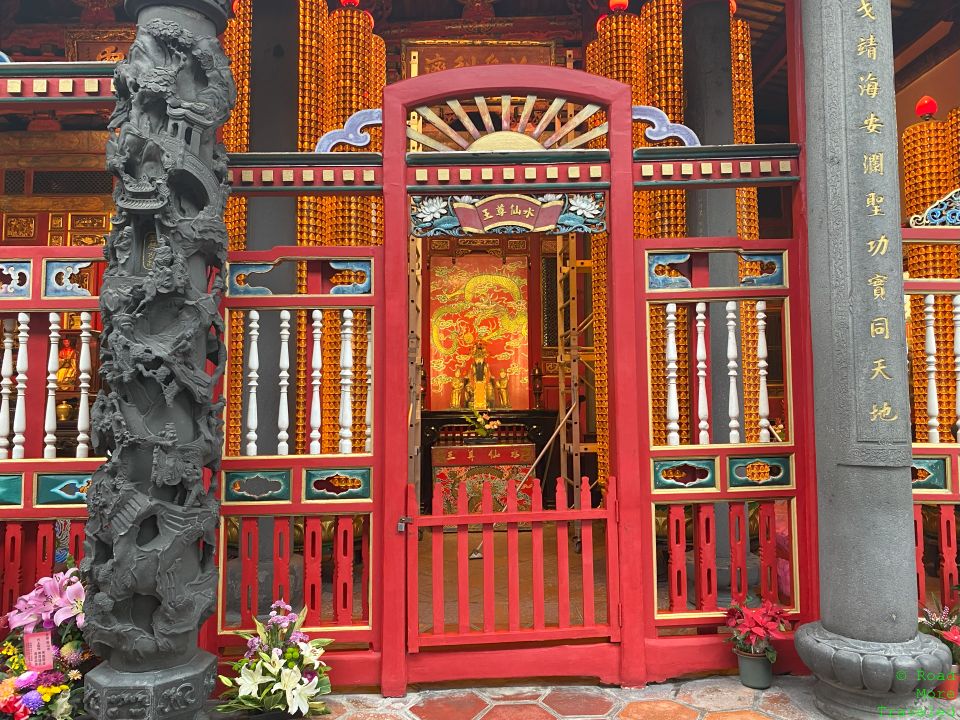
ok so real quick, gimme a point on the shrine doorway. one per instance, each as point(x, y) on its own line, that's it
point(505, 547)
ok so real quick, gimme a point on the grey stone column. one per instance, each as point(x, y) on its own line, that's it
point(149, 567)
point(708, 82)
point(865, 651)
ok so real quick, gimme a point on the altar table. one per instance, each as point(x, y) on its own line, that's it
point(479, 464)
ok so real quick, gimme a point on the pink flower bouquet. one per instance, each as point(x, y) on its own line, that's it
point(55, 605)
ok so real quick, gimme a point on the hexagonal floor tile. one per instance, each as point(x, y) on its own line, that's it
point(453, 706)
point(657, 710)
point(521, 711)
point(717, 694)
point(578, 703)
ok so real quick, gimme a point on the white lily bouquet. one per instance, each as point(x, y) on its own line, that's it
point(281, 671)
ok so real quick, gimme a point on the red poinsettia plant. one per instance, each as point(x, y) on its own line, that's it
point(753, 629)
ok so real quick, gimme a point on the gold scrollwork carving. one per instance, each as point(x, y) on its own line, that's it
point(20, 227)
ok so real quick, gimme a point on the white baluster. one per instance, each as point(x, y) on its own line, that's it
point(346, 383)
point(253, 376)
point(368, 443)
point(703, 408)
point(733, 404)
point(20, 414)
point(283, 414)
point(763, 401)
point(6, 388)
point(956, 352)
point(316, 364)
point(930, 350)
point(673, 406)
point(53, 364)
point(86, 368)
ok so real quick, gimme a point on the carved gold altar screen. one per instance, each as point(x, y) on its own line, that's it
point(478, 301)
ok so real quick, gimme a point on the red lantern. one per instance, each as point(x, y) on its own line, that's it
point(236, 6)
point(926, 107)
point(349, 3)
point(733, 7)
point(619, 5)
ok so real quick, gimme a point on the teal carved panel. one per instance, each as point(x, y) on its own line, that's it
point(62, 488)
point(338, 484)
point(929, 473)
point(660, 267)
point(753, 472)
point(763, 270)
point(684, 474)
point(242, 486)
point(11, 490)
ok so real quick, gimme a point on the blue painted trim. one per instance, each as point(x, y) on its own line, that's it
point(774, 279)
point(57, 282)
point(661, 128)
point(352, 131)
point(364, 266)
point(235, 289)
point(662, 282)
point(19, 286)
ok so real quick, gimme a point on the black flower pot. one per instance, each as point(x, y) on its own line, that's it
point(756, 671)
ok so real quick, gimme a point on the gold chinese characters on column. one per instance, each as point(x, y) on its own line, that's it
point(869, 51)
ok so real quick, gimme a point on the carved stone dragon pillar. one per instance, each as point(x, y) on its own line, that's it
point(149, 563)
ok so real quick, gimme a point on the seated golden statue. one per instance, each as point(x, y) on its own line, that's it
point(68, 372)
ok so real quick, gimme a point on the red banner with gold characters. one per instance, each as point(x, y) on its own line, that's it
point(478, 332)
point(487, 214)
point(439, 56)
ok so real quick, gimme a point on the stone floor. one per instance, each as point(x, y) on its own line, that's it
point(718, 698)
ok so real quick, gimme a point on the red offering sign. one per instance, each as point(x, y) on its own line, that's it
point(38, 651)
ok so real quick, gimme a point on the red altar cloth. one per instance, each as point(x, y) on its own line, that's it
point(479, 464)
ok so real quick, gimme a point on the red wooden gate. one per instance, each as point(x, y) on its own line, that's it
point(531, 613)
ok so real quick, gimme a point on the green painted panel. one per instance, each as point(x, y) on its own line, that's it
point(11, 490)
point(684, 474)
point(338, 484)
point(257, 486)
point(759, 472)
point(63, 489)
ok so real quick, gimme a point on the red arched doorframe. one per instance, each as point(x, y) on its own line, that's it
point(626, 363)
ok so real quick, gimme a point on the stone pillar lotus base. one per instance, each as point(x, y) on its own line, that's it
point(178, 693)
point(860, 680)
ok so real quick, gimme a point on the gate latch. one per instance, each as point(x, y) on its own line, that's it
point(403, 522)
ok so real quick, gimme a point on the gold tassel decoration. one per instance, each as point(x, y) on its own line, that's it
point(928, 175)
point(310, 126)
point(236, 138)
point(748, 221)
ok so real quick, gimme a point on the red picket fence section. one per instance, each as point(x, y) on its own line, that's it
point(935, 548)
point(761, 527)
point(456, 600)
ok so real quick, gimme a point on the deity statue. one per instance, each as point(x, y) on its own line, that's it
point(503, 400)
point(480, 380)
point(68, 372)
point(458, 393)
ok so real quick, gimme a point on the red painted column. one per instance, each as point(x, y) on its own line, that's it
point(391, 397)
point(628, 407)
